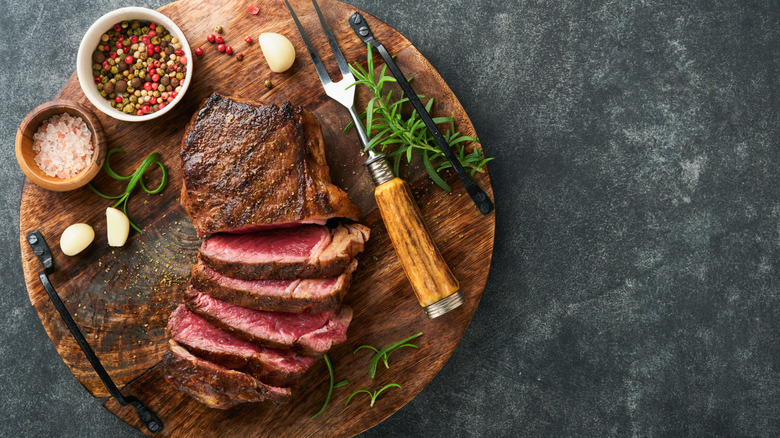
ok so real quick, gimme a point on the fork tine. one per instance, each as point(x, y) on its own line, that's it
point(343, 66)
point(315, 57)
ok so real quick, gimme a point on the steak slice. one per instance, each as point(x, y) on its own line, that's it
point(310, 333)
point(248, 166)
point(214, 385)
point(309, 251)
point(295, 296)
point(269, 365)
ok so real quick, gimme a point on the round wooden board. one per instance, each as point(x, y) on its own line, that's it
point(121, 298)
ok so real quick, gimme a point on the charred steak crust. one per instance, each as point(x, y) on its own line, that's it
point(213, 385)
point(274, 329)
point(271, 366)
point(346, 242)
point(293, 296)
point(247, 165)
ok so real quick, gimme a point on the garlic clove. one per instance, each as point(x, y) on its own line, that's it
point(117, 227)
point(279, 52)
point(76, 238)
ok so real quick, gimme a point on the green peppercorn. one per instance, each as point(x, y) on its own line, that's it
point(124, 24)
point(104, 94)
point(114, 70)
point(145, 30)
point(133, 99)
point(156, 40)
point(111, 62)
point(268, 84)
point(160, 29)
point(179, 76)
point(218, 29)
point(95, 73)
point(168, 38)
point(136, 24)
point(113, 103)
point(128, 109)
point(104, 79)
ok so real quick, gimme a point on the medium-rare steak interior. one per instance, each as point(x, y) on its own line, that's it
point(312, 295)
point(272, 366)
point(309, 251)
point(247, 166)
point(310, 333)
point(265, 298)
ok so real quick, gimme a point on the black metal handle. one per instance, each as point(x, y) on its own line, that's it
point(42, 251)
point(478, 196)
point(359, 25)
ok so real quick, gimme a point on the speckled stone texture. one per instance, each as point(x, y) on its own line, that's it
point(633, 290)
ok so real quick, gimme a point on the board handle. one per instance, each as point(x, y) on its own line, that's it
point(436, 288)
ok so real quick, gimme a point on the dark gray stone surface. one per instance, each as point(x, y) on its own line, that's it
point(634, 285)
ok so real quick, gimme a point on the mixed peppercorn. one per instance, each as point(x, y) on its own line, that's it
point(139, 66)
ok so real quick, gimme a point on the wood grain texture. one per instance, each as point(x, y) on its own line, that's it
point(426, 269)
point(121, 297)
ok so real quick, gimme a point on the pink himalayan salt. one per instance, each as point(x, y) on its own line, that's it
point(63, 146)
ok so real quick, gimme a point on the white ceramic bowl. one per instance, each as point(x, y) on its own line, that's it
point(90, 42)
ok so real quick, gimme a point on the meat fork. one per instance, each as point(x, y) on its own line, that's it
point(436, 288)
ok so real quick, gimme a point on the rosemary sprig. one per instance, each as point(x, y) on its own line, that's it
point(344, 382)
point(135, 178)
point(399, 137)
point(385, 352)
point(374, 394)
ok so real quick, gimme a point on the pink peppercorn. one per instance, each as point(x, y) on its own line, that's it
point(146, 109)
point(148, 86)
point(199, 51)
point(157, 49)
point(156, 78)
point(183, 60)
point(153, 100)
point(221, 48)
point(248, 39)
point(134, 39)
point(152, 33)
point(162, 105)
point(113, 55)
point(229, 50)
point(152, 25)
point(117, 27)
point(211, 38)
point(139, 113)
point(118, 99)
point(145, 40)
point(219, 40)
point(129, 59)
point(97, 80)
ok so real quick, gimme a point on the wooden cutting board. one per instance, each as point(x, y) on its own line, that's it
point(121, 298)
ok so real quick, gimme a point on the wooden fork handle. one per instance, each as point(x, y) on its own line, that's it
point(436, 288)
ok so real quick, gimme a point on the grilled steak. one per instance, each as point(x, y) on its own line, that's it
point(214, 385)
point(310, 333)
point(309, 251)
point(246, 167)
point(269, 365)
point(295, 296)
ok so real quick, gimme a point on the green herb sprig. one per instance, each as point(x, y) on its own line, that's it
point(374, 394)
point(330, 387)
point(135, 178)
point(388, 128)
point(385, 352)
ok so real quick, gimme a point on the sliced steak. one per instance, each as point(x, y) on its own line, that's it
point(309, 333)
point(248, 166)
point(269, 365)
point(309, 251)
point(296, 296)
point(214, 385)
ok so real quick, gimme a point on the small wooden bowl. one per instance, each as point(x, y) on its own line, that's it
point(26, 157)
